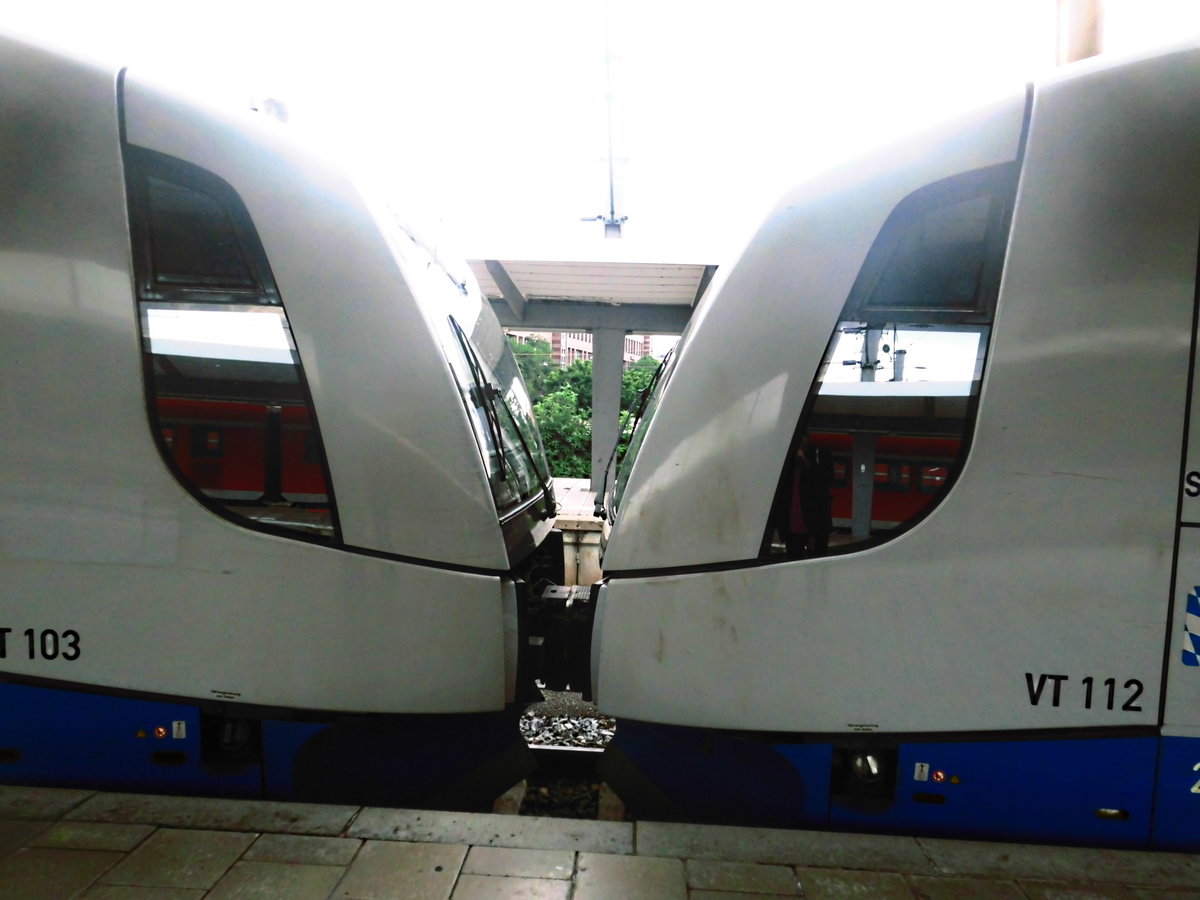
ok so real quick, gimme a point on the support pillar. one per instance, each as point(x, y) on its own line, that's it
point(608, 357)
point(1080, 29)
point(862, 481)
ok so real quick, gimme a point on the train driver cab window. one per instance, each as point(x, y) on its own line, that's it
point(889, 417)
point(227, 397)
point(504, 429)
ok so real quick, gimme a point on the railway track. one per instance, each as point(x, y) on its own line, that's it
point(566, 737)
point(564, 785)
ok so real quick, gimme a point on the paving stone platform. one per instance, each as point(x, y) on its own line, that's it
point(59, 844)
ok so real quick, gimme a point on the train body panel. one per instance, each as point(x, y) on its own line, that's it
point(409, 639)
point(1023, 298)
point(363, 300)
point(1059, 790)
point(261, 459)
point(745, 365)
point(1051, 553)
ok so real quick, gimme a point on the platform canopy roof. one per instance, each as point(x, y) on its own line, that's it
point(542, 295)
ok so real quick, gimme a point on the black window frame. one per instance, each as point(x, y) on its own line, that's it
point(140, 165)
point(999, 184)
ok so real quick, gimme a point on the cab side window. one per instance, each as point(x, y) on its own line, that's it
point(889, 417)
point(193, 240)
point(227, 397)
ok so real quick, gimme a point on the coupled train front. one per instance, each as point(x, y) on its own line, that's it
point(907, 539)
point(909, 536)
point(272, 489)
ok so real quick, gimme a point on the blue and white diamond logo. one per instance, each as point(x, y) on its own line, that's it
point(1191, 629)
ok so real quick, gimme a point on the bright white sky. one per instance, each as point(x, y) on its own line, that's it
point(492, 115)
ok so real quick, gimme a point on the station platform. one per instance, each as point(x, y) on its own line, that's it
point(582, 530)
point(57, 844)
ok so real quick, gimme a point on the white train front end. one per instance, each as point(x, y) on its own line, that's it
point(983, 341)
point(270, 482)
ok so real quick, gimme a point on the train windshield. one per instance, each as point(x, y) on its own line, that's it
point(634, 430)
point(483, 366)
point(504, 429)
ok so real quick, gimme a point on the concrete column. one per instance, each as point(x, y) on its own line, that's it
point(870, 354)
point(608, 355)
point(1080, 29)
point(862, 480)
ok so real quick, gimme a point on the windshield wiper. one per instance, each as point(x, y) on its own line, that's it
point(639, 409)
point(545, 482)
point(481, 396)
point(485, 394)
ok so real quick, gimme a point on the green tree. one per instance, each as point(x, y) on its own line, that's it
point(562, 402)
point(636, 379)
point(535, 359)
point(577, 378)
point(566, 433)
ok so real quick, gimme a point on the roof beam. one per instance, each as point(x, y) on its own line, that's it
point(705, 278)
point(572, 315)
point(508, 289)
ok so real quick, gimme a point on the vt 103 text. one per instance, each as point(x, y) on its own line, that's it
point(40, 643)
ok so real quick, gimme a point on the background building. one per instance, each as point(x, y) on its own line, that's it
point(569, 346)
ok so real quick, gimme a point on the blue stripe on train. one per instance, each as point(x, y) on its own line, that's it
point(1177, 806)
point(64, 738)
point(1086, 791)
point(79, 739)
